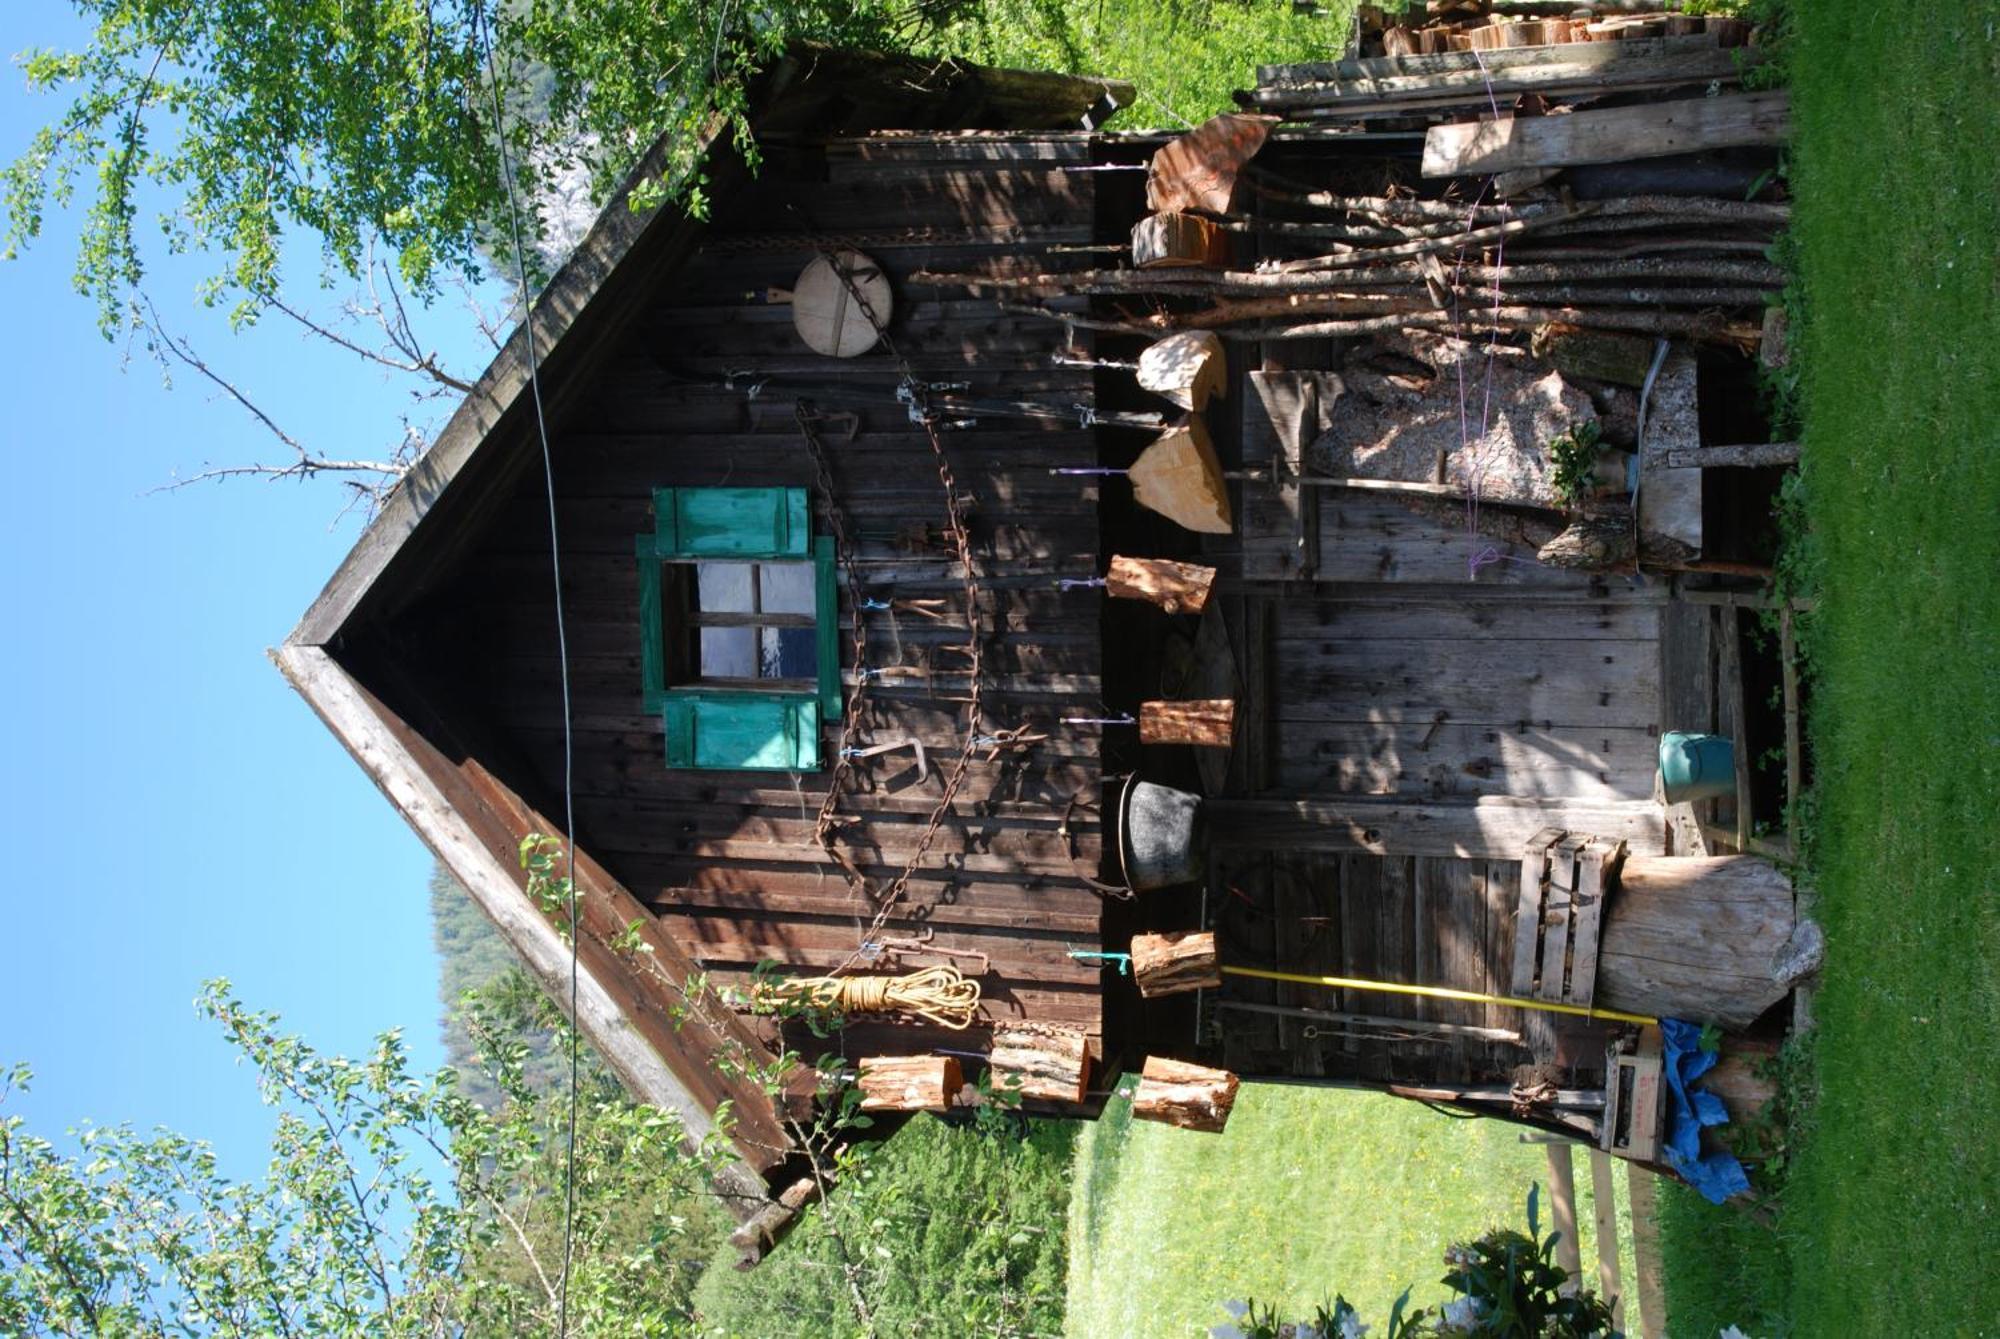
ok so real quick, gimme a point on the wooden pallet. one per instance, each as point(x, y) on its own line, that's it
point(1564, 876)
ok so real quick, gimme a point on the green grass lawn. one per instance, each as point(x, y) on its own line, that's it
point(1309, 1192)
point(1893, 1213)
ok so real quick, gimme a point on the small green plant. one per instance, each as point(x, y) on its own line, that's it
point(1572, 456)
point(1508, 1283)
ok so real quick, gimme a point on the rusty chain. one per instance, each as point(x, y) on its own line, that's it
point(911, 394)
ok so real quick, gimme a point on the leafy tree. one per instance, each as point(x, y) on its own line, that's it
point(379, 124)
point(392, 1205)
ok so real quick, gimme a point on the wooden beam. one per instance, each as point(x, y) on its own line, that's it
point(448, 824)
point(1651, 1322)
point(1649, 130)
point(1494, 826)
point(1604, 1206)
point(1750, 456)
point(1570, 55)
point(1562, 1207)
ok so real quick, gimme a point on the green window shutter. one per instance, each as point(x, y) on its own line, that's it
point(742, 731)
point(652, 654)
point(826, 602)
point(732, 522)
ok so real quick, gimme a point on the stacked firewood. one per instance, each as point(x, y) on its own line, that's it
point(1568, 184)
point(1683, 266)
point(1471, 25)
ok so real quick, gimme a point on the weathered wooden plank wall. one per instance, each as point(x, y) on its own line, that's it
point(728, 861)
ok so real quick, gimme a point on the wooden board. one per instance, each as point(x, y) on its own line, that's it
point(1528, 910)
point(1496, 826)
point(1649, 130)
point(1670, 495)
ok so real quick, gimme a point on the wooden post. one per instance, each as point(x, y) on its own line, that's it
point(1562, 1208)
point(1603, 1194)
point(1210, 723)
point(1788, 661)
point(1051, 1063)
point(1171, 964)
point(1651, 1321)
point(1178, 588)
point(909, 1082)
point(1193, 1097)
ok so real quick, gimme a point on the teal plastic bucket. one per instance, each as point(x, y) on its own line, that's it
point(1696, 767)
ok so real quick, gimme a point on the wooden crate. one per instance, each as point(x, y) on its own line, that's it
point(1564, 876)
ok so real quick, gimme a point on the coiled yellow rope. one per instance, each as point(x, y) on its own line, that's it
point(940, 994)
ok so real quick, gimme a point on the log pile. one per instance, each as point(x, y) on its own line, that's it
point(1390, 32)
point(1609, 175)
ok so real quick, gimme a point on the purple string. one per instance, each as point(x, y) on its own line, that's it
point(1099, 720)
point(1088, 469)
point(1080, 583)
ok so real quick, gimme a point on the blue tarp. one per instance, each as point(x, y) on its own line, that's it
point(1689, 1110)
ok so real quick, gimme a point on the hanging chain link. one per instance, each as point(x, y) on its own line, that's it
point(911, 393)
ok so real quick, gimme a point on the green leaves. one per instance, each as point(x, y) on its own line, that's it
point(245, 122)
point(352, 1230)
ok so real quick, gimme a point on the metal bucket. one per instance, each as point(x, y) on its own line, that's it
point(1696, 767)
point(1160, 836)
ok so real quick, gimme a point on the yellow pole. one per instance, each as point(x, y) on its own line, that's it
point(1442, 993)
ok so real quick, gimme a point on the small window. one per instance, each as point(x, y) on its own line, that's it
point(744, 622)
point(737, 617)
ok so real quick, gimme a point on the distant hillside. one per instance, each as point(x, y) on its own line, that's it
point(471, 955)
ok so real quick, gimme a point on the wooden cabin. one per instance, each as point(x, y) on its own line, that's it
point(775, 438)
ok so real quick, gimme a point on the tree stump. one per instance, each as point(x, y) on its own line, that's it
point(1210, 723)
point(1193, 1097)
point(1171, 964)
point(909, 1082)
point(1178, 588)
point(1701, 939)
point(1052, 1064)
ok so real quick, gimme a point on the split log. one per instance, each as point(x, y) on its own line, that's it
point(1178, 588)
point(763, 1229)
point(1193, 1097)
point(1209, 723)
point(1051, 1064)
point(908, 1082)
point(1171, 964)
point(1704, 939)
point(1198, 170)
point(1188, 368)
point(1178, 240)
point(1180, 477)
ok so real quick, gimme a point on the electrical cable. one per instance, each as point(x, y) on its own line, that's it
point(482, 24)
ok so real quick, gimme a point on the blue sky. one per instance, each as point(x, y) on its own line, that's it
point(176, 811)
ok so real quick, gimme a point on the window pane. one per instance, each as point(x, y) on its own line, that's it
point(728, 653)
point(722, 588)
point(788, 588)
point(789, 653)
